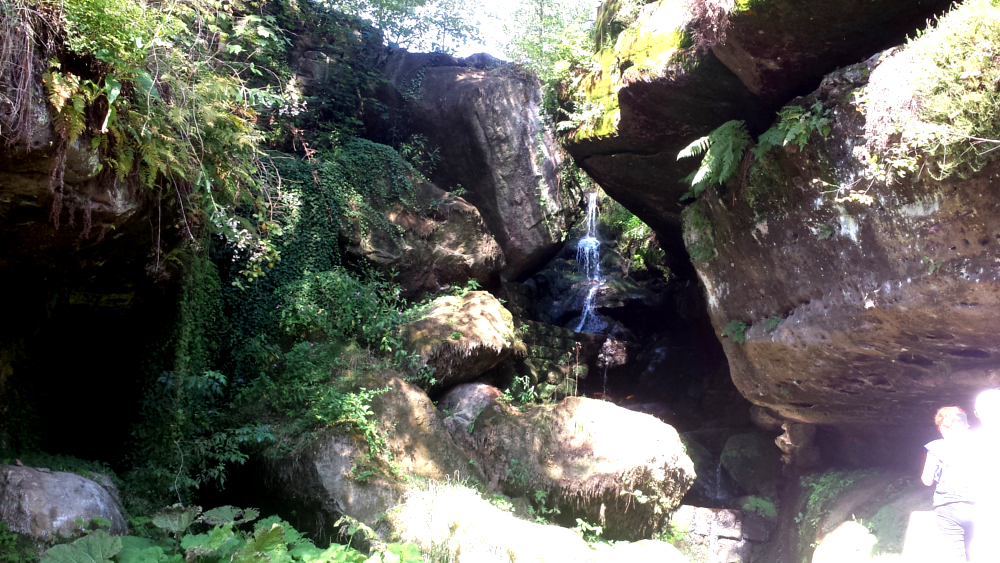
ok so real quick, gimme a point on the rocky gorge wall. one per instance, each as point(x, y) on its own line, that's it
point(863, 296)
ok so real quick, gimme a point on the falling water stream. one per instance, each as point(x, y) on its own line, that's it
point(588, 256)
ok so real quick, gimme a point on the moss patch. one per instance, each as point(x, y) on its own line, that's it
point(656, 40)
point(699, 237)
point(957, 120)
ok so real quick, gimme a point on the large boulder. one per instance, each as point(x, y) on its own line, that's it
point(754, 462)
point(462, 337)
point(336, 473)
point(619, 469)
point(439, 241)
point(656, 86)
point(853, 286)
point(457, 523)
point(46, 504)
point(493, 143)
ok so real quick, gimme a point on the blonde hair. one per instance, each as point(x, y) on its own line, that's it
point(947, 417)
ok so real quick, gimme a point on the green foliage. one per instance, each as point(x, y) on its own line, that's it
point(721, 152)
point(111, 31)
point(84, 468)
point(760, 506)
point(271, 541)
point(737, 330)
point(550, 38)
point(590, 533)
point(420, 25)
point(772, 323)
point(98, 547)
point(15, 548)
point(958, 128)
point(795, 125)
point(638, 247)
point(699, 235)
point(186, 438)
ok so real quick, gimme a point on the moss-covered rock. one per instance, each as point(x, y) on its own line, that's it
point(336, 473)
point(455, 523)
point(46, 504)
point(681, 69)
point(861, 514)
point(754, 462)
point(437, 241)
point(609, 466)
point(462, 337)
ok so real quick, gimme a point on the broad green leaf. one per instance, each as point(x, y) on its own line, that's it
point(177, 518)
point(229, 515)
point(203, 544)
point(152, 554)
point(112, 88)
point(147, 84)
point(98, 547)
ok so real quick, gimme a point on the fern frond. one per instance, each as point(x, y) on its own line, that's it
point(697, 148)
point(723, 149)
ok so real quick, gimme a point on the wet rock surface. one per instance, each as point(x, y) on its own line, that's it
point(713, 535)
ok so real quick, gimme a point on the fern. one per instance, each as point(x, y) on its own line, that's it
point(722, 151)
point(795, 125)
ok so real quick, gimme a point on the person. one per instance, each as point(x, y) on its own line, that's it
point(987, 460)
point(950, 468)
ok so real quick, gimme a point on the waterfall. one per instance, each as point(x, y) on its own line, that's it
point(588, 257)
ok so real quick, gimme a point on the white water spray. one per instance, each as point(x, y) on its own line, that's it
point(588, 256)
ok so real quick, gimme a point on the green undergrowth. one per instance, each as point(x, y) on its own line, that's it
point(819, 495)
point(84, 468)
point(958, 125)
point(627, 48)
point(16, 548)
point(261, 365)
point(185, 534)
point(638, 246)
point(729, 155)
point(699, 235)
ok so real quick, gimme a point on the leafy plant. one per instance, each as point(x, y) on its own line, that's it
point(589, 532)
point(957, 128)
point(699, 235)
point(736, 330)
point(15, 548)
point(795, 125)
point(772, 323)
point(272, 540)
point(638, 246)
point(760, 506)
point(721, 152)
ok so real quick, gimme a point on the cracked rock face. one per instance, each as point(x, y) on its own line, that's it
point(857, 312)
